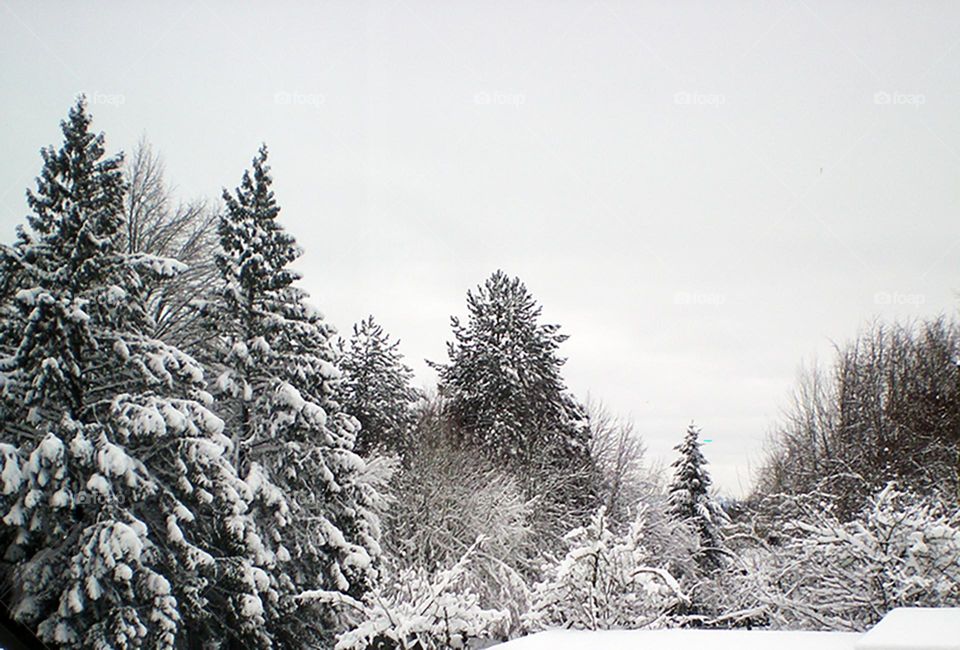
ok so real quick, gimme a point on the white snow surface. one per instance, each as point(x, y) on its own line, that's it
point(683, 640)
point(914, 628)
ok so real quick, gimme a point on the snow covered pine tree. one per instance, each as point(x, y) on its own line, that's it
point(274, 359)
point(115, 472)
point(503, 379)
point(376, 389)
point(689, 496)
point(507, 395)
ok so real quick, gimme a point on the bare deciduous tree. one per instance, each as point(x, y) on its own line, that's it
point(889, 410)
point(157, 224)
point(618, 453)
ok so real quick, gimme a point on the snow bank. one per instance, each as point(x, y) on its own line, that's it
point(915, 628)
point(684, 640)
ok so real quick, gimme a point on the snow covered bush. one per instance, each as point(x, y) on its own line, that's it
point(737, 593)
point(901, 551)
point(418, 610)
point(445, 496)
point(611, 581)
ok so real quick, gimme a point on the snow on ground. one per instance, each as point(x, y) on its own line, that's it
point(917, 628)
point(683, 640)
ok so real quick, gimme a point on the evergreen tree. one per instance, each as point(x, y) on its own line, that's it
point(503, 380)
point(689, 494)
point(115, 473)
point(274, 357)
point(506, 395)
point(376, 388)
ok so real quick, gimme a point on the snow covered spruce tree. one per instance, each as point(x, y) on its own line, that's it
point(505, 391)
point(689, 496)
point(376, 389)
point(274, 359)
point(115, 473)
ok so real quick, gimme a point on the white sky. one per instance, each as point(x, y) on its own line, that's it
point(703, 194)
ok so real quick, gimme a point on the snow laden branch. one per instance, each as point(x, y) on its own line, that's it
point(609, 580)
point(412, 609)
point(667, 579)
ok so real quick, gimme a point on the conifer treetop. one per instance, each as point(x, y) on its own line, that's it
point(256, 248)
point(691, 479)
point(504, 378)
point(376, 388)
point(77, 208)
point(689, 494)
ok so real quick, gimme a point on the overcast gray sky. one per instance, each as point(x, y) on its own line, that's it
point(703, 194)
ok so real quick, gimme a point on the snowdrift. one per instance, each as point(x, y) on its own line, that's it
point(901, 629)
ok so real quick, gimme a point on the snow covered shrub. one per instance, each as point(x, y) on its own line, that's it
point(736, 594)
point(415, 610)
point(446, 495)
point(611, 581)
point(901, 551)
